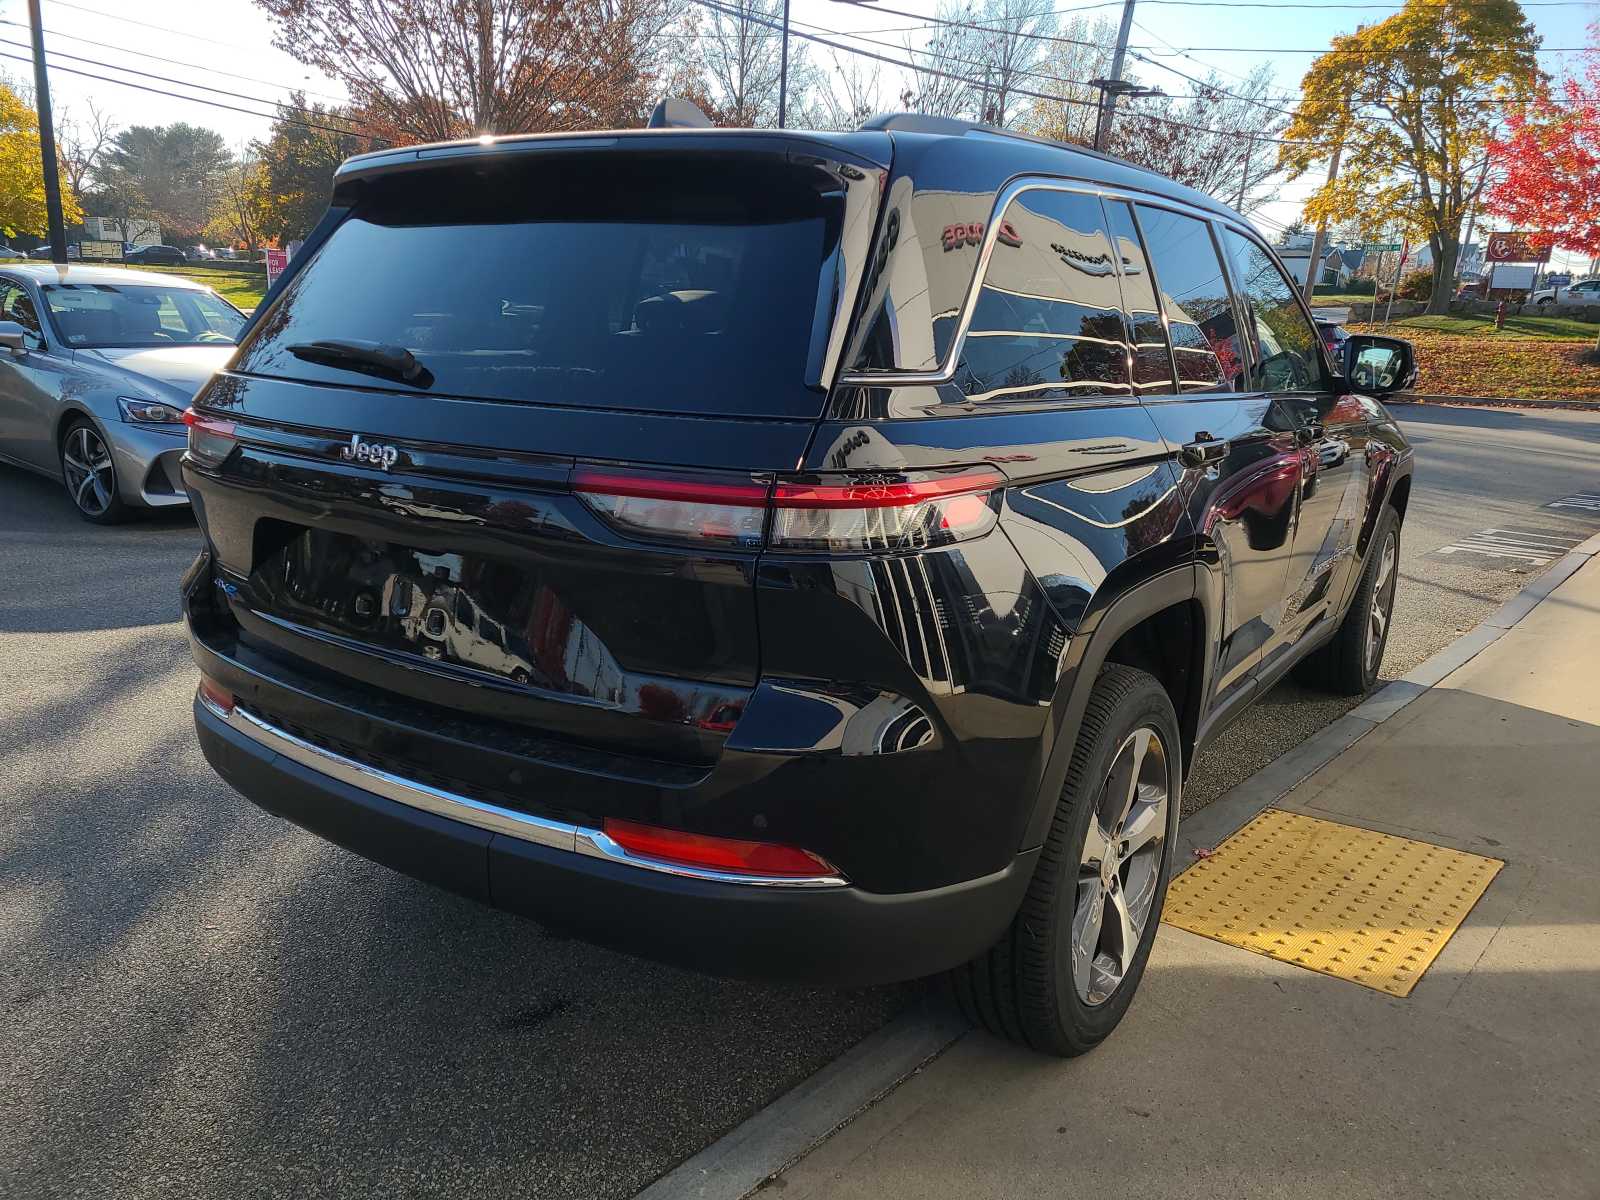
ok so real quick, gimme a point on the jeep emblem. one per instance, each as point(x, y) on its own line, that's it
point(376, 453)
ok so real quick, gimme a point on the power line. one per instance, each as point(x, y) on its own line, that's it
point(95, 12)
point(277, 116)
point(926, 70)
point(175, 62)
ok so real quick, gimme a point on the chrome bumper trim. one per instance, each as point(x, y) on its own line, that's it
point(557, 835)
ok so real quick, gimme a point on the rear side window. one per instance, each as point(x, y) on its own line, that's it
point(1152, 362)
point(1048, 321)
point(611, 284)
point(1194, 296)
point(1283, 344)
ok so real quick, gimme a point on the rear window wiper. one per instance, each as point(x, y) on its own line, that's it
point(371, 358)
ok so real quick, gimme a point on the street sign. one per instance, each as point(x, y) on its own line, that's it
point(1514, 248)
point(101, 249)
point(1381, 247)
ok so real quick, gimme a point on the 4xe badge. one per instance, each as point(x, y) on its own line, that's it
point(377, 453)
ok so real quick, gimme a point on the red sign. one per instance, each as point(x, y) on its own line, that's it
point(972, 233)
point(277, 260)
point(1515, 248)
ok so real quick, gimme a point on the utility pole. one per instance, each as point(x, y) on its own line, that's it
point(47, 139)
point(1244, 176)
point(1322, 228)
point(1108, 95)
point(1472, 219)
point(783, 67)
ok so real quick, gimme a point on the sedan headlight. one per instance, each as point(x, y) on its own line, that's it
point(149, 412)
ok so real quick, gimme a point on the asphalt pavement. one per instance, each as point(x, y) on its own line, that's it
point(201, 1000)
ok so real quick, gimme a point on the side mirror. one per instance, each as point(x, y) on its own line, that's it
point(1379, 366)
point(13, 337)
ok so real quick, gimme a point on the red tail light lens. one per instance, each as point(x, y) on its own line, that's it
point(677, 507)
point(217, 696)
point(901, 512)
point(210, 440)
point(716, 853)
point(856, 513)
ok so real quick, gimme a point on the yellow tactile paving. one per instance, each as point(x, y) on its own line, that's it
point(1348, 902)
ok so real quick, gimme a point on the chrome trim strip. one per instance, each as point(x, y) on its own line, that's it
point(946, 371)
point(556, 835)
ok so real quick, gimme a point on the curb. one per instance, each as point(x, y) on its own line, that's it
point(794, 1124)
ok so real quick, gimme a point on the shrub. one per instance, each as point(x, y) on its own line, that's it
point(1418, 285)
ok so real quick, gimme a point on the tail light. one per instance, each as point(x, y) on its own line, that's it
point(217, 697)
point(210, 440)
point(853, 513)
point(716, 853)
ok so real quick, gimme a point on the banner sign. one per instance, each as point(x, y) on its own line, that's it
point(1515, 248)
point(96, 249)
point(277, 260)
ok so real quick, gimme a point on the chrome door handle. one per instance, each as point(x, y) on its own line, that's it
point(1203, 453)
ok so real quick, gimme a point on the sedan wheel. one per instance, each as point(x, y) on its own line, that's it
point(1383, 589)
point(90, 475)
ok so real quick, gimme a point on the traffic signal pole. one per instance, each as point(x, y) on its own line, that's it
point(47, 140)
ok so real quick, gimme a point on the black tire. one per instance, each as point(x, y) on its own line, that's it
point(97, 500)
point(1024, 987)
point(1347, 664)
point(1547, 300)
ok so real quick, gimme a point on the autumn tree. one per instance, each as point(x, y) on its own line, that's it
point(22, 207)
point(1548, 164)
point(981, 60)
point(293, 177)
point(741, 57)
point(848, 94)
point(244, 205)
point(84, 143)
point(1082, 53)
point(433, 70)
point(1415, 100)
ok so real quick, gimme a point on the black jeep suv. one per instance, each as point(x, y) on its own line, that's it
point(797, 555)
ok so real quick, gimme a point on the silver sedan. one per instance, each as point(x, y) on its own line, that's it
point(97, 365)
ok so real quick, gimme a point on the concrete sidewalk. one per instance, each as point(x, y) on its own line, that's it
point(1237, 1076)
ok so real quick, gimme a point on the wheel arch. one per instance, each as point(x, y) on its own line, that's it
point(1159, 626)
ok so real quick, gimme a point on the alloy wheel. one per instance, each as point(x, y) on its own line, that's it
point(1119, 869)
point(91, 478)
point(1383, 589)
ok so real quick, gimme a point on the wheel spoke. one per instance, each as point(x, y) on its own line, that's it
point(1097, 848)
point(76, 463)
point(83, 486)
point(1147, 824)
point(1087, 920)
point(1124, 930)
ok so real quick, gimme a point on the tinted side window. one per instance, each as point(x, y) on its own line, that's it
point(1194, 297)
point(1152, 364)
point(1048, 321)
point(1283, 343)
point(15, 305)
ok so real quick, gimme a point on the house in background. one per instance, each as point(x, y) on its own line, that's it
point(1333, 272)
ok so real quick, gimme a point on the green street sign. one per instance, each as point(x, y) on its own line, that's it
point(1381, 247)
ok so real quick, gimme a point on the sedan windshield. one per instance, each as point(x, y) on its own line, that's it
point(92, 315)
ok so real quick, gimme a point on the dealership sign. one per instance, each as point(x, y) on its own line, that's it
point(1515, 248)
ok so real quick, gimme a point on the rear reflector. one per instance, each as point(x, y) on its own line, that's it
point(716, 853)
point(217, 696)
point(210, 440)
point(856, 513)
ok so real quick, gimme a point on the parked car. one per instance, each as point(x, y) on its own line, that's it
point(42, 253)
point(9, 254)
point(96, 367)
point(1586, 291)
point(877, 561)
point(166, 256)
point(1333, 335)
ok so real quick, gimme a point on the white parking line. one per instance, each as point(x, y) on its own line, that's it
point(1585, 502)
point(1520, 545)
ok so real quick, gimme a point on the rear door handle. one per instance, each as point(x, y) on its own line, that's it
point(1202, 453)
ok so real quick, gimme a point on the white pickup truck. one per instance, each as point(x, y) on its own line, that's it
point(1585, 291)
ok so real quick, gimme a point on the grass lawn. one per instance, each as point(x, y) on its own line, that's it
point(1468, 361)
point(239, 285)
point(1343, 299)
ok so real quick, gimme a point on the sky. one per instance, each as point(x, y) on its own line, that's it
point(226, 46)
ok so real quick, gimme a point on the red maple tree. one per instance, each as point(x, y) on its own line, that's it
point(1549, 162)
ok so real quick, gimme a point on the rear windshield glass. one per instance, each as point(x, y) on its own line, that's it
point(91, 315)
point(635, 287)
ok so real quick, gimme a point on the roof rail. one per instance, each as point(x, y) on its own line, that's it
point(673, 113)
point(905, 122)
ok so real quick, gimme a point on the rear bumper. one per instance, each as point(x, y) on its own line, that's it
point(821, 930)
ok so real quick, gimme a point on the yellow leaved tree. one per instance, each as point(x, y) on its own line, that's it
point(22, 207)
point(1414, 99)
